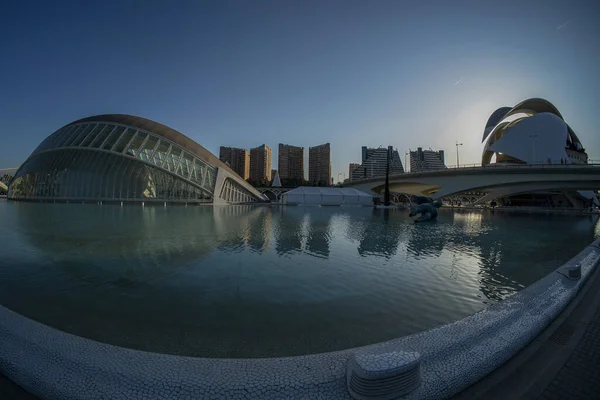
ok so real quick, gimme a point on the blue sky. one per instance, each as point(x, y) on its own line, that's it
point(243, 73)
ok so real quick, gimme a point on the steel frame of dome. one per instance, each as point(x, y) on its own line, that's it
point(117, 157)
point(497, 125)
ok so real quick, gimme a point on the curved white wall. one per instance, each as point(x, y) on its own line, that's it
point(535, 139)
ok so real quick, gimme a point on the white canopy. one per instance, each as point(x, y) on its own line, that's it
point(327, 196)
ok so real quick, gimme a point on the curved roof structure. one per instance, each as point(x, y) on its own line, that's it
point(126, 158)
point(534, 106)
point(540, 136)
point(530, 106)
point(493, 120)
point(158, 129)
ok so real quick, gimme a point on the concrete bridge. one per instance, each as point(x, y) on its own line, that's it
point(273, 193)
point(493, 181)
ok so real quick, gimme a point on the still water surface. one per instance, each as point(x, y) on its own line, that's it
point(243, 281)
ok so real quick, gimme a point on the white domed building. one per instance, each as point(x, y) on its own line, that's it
point(534, 132)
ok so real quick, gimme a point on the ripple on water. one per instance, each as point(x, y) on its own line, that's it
point(247, 281)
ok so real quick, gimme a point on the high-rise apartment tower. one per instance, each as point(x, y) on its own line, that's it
point(237, 159)
point(374, 163)
point(426, 160)
point(260, 165)
point(290, 163)
point(319, 165)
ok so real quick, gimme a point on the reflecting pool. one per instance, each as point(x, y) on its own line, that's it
point(252, 281)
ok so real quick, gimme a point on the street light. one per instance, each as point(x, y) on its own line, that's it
point(532, 137)
point(457, 144)
point(405, 163)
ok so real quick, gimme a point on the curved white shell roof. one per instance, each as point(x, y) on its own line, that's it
point(539, 136)
point(534, 139)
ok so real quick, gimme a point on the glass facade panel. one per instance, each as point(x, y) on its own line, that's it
point(71, 169)
point(79, 174)
point(77, 134)
point(173, 159)
point(111, 140)
point(200, 172)
point(187, 163)
point(101, 136)
point(211, 178)
point(193, 177)
point(124, 140)
point(135, 144)
point(81, 135)
point(85, 141)
point(61, 137)
point(161, 153)
point(66, 135)
point(147, 149)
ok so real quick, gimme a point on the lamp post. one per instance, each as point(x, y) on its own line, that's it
point(533, 137)
point(457, 162)
point(405, 163)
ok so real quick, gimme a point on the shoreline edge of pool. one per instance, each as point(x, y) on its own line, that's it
point(52, 364)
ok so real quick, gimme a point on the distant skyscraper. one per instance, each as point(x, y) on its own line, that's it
point(426, 160)
point(260, 165)
point(237, 159)
point(375, 162)
point(351, 168)
point(319, 165)
point(290, 162)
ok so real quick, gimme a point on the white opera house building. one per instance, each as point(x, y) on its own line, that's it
point(534, 132)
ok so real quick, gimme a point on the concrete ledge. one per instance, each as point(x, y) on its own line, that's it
point(55, 365)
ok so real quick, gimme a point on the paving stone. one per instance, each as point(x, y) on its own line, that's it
point(580, 376)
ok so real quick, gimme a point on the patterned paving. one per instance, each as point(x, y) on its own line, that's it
point(579, 378)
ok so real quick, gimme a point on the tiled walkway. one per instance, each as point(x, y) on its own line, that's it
point(579, 378)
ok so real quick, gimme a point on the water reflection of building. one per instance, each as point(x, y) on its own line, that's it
point(233, 225)
point(426, 239)
point(288, 233)
point(260, 230)
point(505, 261)
point(382, 238)
point(318, 233)
point(133, 243)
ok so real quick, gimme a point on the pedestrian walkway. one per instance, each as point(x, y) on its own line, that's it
point(563, 362)
point(579, 378)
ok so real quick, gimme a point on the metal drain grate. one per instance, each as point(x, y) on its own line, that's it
point(562, 335)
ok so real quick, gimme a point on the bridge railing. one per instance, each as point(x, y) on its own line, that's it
point(475, 167)
point(596, 163)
